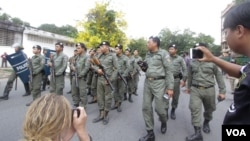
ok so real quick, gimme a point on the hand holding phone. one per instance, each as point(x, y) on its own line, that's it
point(195, 53)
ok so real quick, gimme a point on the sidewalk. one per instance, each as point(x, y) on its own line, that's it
point(5, 72)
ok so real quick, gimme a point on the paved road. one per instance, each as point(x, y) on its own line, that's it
point(125, 126)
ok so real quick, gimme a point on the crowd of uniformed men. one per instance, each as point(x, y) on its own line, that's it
point(109, 74)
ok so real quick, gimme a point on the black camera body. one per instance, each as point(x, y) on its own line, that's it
point(195, 53)
point(143, 65)
point(77, 110)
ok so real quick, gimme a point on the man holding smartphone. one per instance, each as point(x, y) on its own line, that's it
point(201, 86)
point(237, 29)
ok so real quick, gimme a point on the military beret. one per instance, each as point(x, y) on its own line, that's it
point(200, 44)
point(80, 44)
point(17, 45)
point(172, 45)
point(105, 43)
point(60, 44)
point(37, 46)
point(119, 46)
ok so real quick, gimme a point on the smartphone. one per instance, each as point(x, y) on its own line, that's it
point(166, 96)
point(78, 112)
point(195, 53)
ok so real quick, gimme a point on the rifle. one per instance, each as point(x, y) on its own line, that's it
point(123, 79)
point(53, 70)
point(31, 70)
point(76, 74)
point(97, 62)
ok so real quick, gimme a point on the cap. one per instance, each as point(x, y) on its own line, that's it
point(105, 43)
point(119, 46)
point(38, 47)
point(172, 45)
point(128, 49)
point(16, 45)
point(60, 44)
point(200, 44)
point(80, 44)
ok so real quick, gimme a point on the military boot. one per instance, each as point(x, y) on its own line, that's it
point(89, 91)
point(94, 100)
point(125, 97)
point(149, 137)
point(106, 118)
point(100, 117)
point(172, 114)
point(206, 127)
point(6, 92)
point(115, 106)
point(130, 98)
point(119, 109)
point(197, 136)
point(27, 89)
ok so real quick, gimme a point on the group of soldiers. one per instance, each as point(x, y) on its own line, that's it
point(113, 74)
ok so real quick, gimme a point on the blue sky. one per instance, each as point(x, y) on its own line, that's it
point(144, 17)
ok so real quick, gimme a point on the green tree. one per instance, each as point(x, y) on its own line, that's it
point(17, 21)
point(68, 30)
point(140, 44)
point(239, 1)
point(49, 27)
point(5, 17)
point(102, 23)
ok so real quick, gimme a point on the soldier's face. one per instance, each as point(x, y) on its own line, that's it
point(58, 48)
point(117, 50)
point(35, 50)
point(79, 50)
point(172, 51)
point(150, 44)
point(104, 48)
point(135, 52)
point(127, 53)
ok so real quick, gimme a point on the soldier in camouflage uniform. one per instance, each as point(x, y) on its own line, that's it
point(180, 76)
point(71, 60)
point(37, 68)
point(80, 68)
point(137, 69)
point(123, 63)
point(201, 86)
point(13, 77)
point(159, 81)
point(104, 93)
point(130, 77)
point(58, 64)
point(94, 53)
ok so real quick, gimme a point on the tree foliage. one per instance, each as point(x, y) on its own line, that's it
point(186, 39)
point(13, 20)
point(239, 1)
point(66, 30)
point(102, 23)
point(139, 44)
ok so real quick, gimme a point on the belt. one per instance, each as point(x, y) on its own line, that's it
point(156, 78)
point(202, 87)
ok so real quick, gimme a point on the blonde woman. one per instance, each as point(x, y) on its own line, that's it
point(49, 118)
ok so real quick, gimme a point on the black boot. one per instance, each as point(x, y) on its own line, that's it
point(119, 109)
point(206, 127)
point(172, 115)
point(6, 93)
point(163, 127)
point(106, 118)
point(115, 106)
point(130, 98)
point(149, 137)
point(27, 89)
point(89, 91)
point(94, 100)
point(69, 92)
point(197, 136)
point(125, 97)
point(100, 117)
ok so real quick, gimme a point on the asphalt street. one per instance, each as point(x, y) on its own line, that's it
point(125, 126)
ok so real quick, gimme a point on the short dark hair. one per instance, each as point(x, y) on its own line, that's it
point(82, 45)
point(59, 44)
point(238, 15)
point(156, 40)
point(38, 47)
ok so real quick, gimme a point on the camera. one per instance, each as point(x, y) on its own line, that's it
point(77, 110)
point(195, 53)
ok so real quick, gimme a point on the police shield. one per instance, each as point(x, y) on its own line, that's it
point(19, 63)
point(47, 57)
